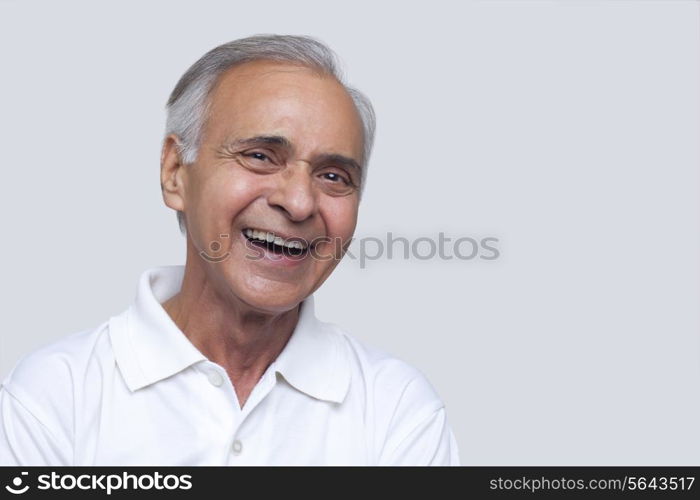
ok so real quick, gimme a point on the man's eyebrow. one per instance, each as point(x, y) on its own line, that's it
point(270, 140)
point(338, 159)
point(278, 140)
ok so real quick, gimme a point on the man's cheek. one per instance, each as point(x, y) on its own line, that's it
point(324, 249)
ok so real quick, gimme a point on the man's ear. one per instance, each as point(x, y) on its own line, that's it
point(172, 174)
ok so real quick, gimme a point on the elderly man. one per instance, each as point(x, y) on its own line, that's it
point(223, 361)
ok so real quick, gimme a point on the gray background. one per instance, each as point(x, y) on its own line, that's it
point(569, 130)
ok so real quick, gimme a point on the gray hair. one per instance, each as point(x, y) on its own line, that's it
point(189, 103)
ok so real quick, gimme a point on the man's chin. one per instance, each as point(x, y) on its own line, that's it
point(272, 298)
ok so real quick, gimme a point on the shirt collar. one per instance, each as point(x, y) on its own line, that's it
point(149, 347)
point(315, 359)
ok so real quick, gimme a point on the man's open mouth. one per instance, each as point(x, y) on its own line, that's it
point(276, 244)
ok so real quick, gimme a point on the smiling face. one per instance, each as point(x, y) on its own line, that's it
point(279, 161)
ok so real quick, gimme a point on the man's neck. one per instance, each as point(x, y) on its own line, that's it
point(229, 332)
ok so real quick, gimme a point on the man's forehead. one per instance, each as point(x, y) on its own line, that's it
point(259, 74)
point(258, 101)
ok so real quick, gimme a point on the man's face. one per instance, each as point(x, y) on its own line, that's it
point(280, 158)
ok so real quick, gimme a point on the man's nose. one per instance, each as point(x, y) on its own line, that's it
point(295, 193)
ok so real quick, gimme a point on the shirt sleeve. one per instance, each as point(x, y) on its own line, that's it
point(24, 438)
point(430, 442)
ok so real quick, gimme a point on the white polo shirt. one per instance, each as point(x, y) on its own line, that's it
point(136, 391)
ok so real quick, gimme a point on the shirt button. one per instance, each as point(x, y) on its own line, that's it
point(237, 447)
point(215, 378)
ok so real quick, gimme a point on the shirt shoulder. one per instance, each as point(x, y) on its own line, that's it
point(404, 413)
point(47, 380)
point(387, 376)
point(49, 366)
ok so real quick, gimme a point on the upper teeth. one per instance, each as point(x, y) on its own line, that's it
point(271, 238)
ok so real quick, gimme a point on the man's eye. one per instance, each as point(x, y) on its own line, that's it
point(332, 176)
point(257, 156)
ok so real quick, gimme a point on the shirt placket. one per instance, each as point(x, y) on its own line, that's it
point(238, 450)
